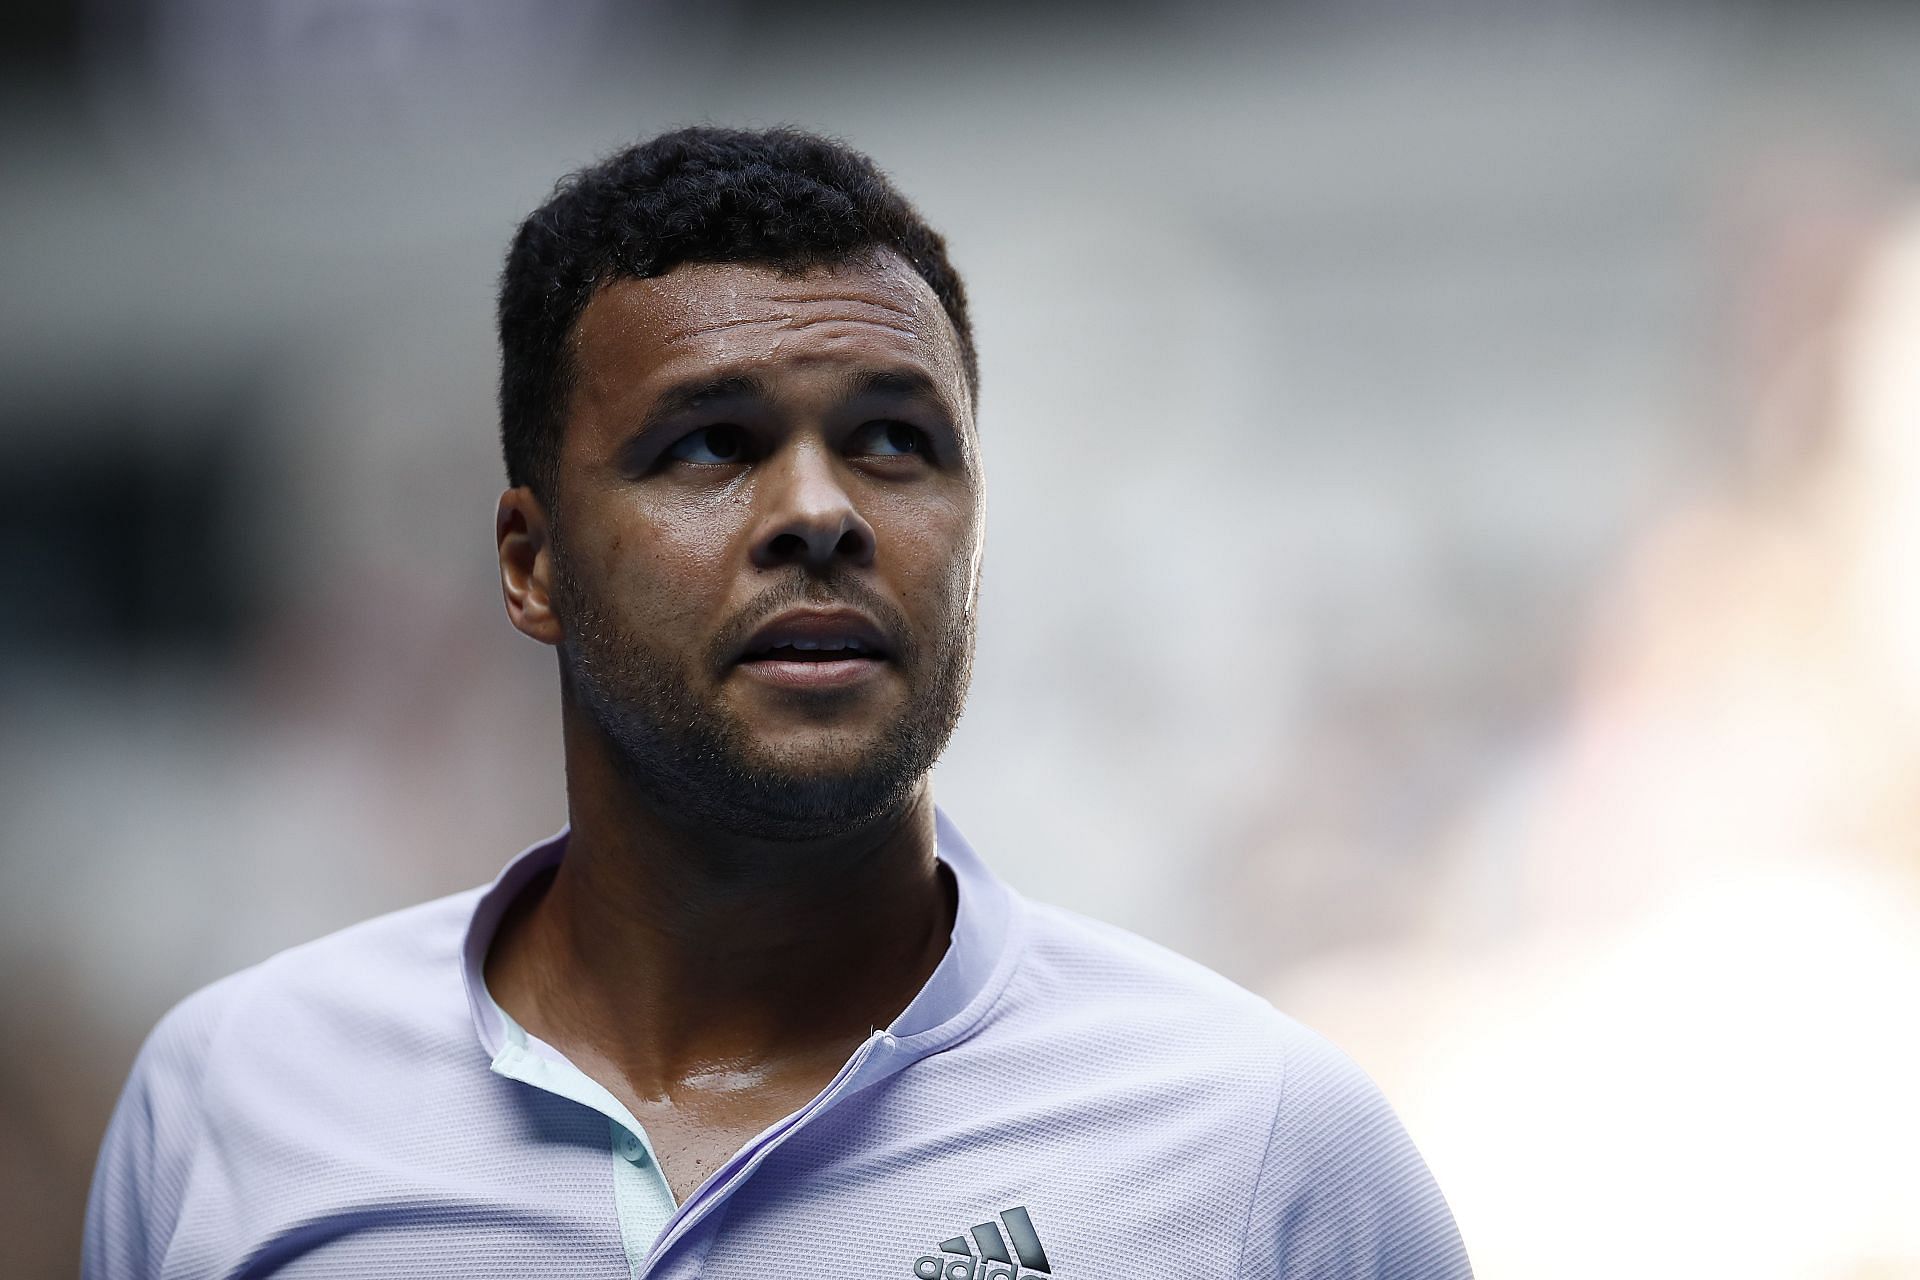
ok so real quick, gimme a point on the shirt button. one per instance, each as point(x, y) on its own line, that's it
point(889, 1042)
point(630, 1148)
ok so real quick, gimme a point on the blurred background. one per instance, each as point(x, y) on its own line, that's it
point(1452, 561)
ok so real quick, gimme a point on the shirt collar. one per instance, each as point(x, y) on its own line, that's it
point(962, 985)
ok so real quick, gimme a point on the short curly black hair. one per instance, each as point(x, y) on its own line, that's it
point(780, 197)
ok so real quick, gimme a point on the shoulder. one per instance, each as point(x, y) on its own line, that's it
point(1158, 1036)
point(393, 947)
point(389, 962)
point(229, 1044)
point(1343, 1191)
point(1337, 1188)
point(1080, 969)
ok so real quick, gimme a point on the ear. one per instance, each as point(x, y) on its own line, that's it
point(526, 565)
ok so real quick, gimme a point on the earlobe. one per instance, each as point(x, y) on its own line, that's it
point(526, 564)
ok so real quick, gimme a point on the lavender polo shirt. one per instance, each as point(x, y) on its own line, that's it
point(1061, 1099)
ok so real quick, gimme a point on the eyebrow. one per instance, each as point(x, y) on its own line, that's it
point(697, 394)
point(908, 383)
point(701, 393)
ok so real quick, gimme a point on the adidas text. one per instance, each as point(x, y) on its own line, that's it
point(934, 1267)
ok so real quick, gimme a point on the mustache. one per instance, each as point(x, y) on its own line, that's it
point(838, 590)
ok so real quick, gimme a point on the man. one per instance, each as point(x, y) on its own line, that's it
point(758, 1010)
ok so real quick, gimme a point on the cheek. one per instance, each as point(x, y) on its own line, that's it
point(671, 564)
point(935, 546)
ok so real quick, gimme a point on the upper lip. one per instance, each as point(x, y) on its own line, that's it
point(822, 628)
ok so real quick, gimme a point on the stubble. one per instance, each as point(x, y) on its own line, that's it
point(689, 755)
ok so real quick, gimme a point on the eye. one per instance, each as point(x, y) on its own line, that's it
point(710, 446)
point(889, 438)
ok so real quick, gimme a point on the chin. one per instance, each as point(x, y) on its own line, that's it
point(818, 753)
point(816, 808)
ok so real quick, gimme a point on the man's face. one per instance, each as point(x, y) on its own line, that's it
point(759, 470)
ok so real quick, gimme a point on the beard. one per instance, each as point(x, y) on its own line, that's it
point(693, 758)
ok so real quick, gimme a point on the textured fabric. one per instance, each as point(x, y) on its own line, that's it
point(1061, 1098)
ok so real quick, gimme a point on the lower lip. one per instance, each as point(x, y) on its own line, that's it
point(833, 673)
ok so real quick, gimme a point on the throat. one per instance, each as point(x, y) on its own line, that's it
point(720, 978)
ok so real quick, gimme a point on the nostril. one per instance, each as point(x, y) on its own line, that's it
point(786, 545)
point(817, 543)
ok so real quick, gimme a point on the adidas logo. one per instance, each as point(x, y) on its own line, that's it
point(986, 1256)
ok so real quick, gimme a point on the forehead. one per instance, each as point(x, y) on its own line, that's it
point(741, 318)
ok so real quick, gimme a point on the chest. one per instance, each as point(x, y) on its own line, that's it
point(701, 1123)
point(691, 1141)
point(490, 1176)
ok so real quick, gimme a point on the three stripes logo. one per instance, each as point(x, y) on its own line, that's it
point(985, 1256)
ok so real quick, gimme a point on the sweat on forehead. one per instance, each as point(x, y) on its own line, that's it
point(875, 311)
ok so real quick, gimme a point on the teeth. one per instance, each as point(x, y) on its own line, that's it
point(823, 644)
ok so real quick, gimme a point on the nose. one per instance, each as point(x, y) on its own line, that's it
point(808, 516)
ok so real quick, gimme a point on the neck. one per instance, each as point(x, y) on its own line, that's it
point(667, 946)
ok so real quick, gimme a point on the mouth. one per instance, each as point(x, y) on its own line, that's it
point(812, 651)
point(816, 649)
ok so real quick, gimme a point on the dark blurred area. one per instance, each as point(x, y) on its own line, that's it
point(1450, 559)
